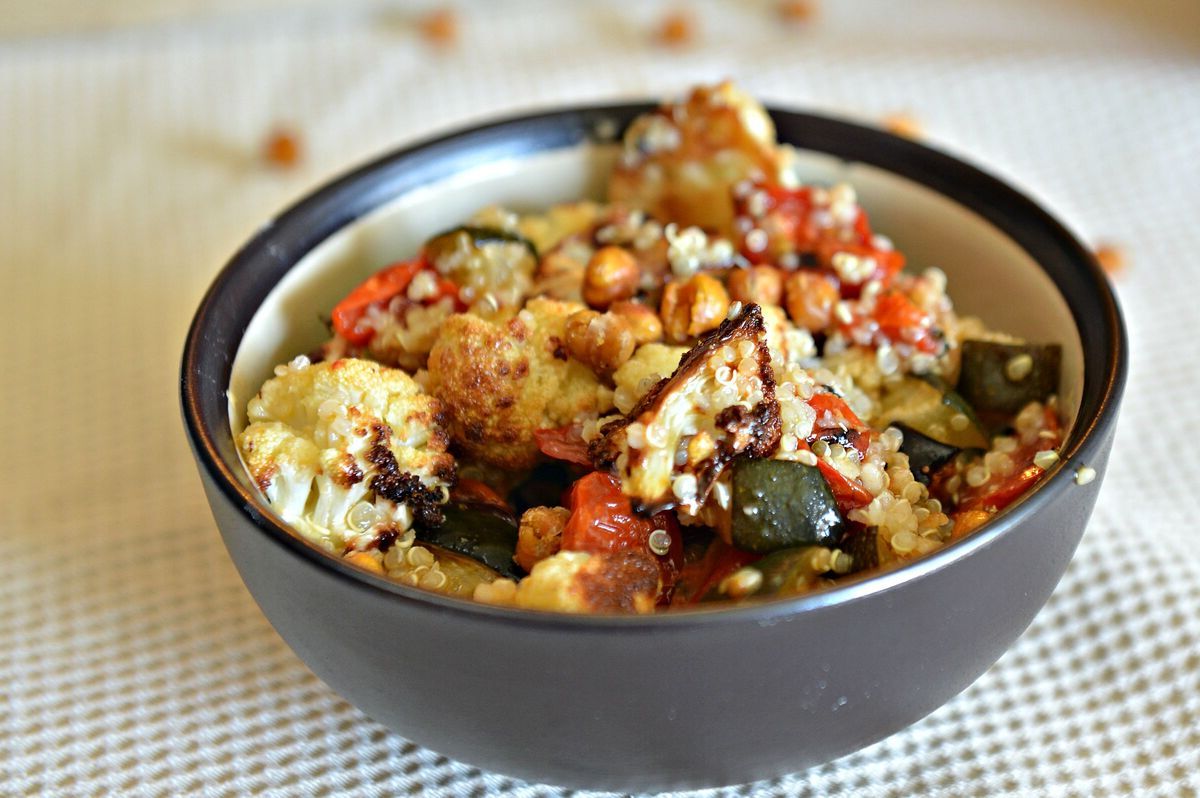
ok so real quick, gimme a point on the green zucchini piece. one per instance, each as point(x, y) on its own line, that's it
point(483, 534)
point(790, 572)
point(940, 414)
point(778, 504)
point(1003, 378)
point(479, 236)
point(862, 544)
point(925, 455)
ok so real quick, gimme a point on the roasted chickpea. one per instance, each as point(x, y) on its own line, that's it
point(612, 274)
point(540, 534)
point(559, 276)
point(693, 307)
point(810, 299)
point(643, 322)
point(601, 340)
point(762, 285)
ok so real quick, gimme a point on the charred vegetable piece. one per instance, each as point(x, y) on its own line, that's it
point(482, 533)
point(790, 572)
point(862, 544)
point(779, 504)
point(479, 236)
point(925, 455)
point(1003, 378)
point(939, 414)
point(718, 405)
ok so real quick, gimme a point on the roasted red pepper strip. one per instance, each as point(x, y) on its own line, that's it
point(379, 289)
point(848, 494)
point(376, 289)
point(1004, 493)
point(840, 413)
point(563, 443)
point(998, 495)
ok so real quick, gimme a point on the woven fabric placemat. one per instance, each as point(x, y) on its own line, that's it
point(133, 661)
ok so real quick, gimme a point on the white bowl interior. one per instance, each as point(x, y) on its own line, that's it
point(990, 276)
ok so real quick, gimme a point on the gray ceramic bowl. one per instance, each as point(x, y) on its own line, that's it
point(688, 699)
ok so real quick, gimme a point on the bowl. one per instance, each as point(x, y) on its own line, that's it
point(686, 699)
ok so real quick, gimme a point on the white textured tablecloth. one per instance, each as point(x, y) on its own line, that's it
point(132, 660)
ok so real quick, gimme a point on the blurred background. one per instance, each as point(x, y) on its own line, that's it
point(144, 140)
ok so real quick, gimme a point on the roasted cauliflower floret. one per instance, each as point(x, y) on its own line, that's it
point(649, 364)
point(670, 449)
point(577, 581)
point(500, 382)
point(347, 450)
point(681, 162)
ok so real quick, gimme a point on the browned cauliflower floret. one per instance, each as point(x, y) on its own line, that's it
point(346, 450)
point(670, 449)
point(500, 382)
point(681, 161)
point(576, 581)
point(649, 364)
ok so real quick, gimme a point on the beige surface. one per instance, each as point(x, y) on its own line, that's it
point(132, 661)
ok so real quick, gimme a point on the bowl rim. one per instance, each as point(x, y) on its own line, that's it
point(343, 200)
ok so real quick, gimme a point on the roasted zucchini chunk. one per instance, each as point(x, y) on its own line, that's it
point(1003, 378)
point(791, 572)
point(932, 410)
point(925, 455)
point(719, 404)
point(485, 534)
point(493, 268)
point(779, 504)
point(862, 544)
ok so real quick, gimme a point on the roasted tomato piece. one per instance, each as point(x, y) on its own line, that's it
point(603, 520)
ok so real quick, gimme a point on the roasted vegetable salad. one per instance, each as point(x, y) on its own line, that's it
point(718, 384)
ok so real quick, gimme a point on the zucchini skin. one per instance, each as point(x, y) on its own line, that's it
point(984, 379)
point(779, 504)
point(486, 535)
point(925, 455)
point(790, 572)
point(862, 544)
point(484, 235)
point(929, 406)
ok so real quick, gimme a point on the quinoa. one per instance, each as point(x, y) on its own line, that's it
point(760, 321)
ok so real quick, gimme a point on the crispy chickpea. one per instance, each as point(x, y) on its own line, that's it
point(559, 276)
point(643, 322)
point(762, 285)
point(693, 307)
point(611, 274)
point(810, 299)
point(601, 340)
point(540, 534)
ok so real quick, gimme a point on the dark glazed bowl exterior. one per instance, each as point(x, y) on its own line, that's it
point(690, 699)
